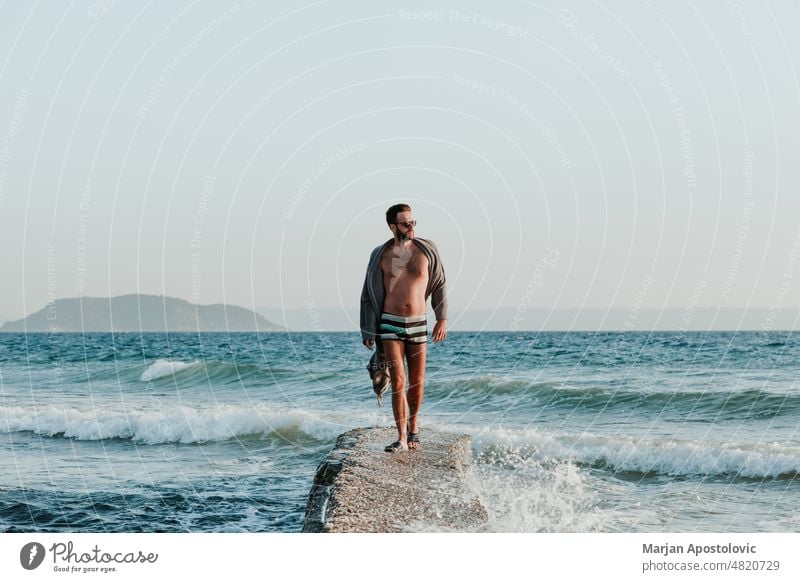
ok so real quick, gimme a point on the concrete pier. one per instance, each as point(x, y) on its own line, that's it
point(360, 488)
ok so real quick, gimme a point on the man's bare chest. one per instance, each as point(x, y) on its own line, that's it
point(399, 262)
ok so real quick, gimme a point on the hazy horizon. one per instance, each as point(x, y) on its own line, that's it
point(563, 157)
point(321, 320)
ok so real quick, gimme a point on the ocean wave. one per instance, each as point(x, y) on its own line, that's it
point(489, 384)
point(178, 424)
point(716, 404)
point(535, 497)
point(667, 456)
point(163, 368)
point(196, 372)
point(217, 504)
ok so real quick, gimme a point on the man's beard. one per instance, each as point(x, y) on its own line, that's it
point(403, 237)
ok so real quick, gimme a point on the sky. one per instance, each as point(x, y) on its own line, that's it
point(573, 155)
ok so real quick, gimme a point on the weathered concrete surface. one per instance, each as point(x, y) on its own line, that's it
point(361, 488)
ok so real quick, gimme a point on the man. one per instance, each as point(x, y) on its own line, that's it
point(402, 273)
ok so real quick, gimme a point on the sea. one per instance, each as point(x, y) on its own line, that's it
point(571, 431)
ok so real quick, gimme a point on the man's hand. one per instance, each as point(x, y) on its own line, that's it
point(368, 343)
point(440, 330)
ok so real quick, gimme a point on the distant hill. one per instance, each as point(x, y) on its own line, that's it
point(139, 313)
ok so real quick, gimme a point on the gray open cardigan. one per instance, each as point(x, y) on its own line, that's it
point(372, 295)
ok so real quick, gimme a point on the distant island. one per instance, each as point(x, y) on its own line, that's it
point(139, 313)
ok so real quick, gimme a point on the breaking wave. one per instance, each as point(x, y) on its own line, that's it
point(163, 368)
point(643, 457)
point(178, 424)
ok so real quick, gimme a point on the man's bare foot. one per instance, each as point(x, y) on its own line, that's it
point(396, 447)
point(413, 440)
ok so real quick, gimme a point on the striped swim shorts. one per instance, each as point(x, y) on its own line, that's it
point(412, 330)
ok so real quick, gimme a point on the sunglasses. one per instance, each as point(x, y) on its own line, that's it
point(408, 224)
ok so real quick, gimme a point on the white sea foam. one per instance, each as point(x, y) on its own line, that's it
point(535, 496)
point(666, 456)
point(531, 480)
point(161, 368)
point(524, 493)
point(179, 424)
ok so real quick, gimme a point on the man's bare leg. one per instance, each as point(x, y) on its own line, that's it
point(395, 352)
point(416, 355)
